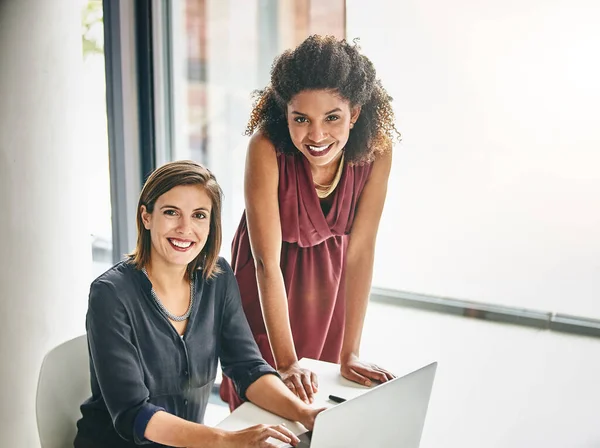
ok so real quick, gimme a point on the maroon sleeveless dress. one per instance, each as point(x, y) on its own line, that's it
point(313, 257)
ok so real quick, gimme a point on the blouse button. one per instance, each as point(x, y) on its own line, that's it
point(185, 402)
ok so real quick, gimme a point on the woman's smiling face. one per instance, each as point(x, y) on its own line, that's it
point(319, 122)
point(179, 224)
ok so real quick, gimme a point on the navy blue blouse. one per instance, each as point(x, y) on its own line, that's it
point(139, 364)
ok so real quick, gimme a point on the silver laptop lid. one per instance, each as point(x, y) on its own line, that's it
point(391, 414)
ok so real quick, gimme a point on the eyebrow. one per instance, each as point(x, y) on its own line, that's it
point(337, 109)
point(205, 209)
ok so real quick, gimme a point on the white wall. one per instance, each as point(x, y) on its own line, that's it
point(45, 257)
point(495, 190)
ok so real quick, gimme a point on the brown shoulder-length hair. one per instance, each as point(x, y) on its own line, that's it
point(168, 176)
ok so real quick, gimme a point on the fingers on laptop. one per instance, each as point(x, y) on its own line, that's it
point(280, 432)
point(259, 435)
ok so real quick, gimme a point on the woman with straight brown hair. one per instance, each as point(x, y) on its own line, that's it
point(159, 322)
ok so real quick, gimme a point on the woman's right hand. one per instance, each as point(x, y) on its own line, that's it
point(302, 382)
point(256, 437)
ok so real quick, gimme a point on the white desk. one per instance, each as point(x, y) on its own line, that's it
point(331, 382)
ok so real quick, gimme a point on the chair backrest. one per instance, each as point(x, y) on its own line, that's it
point(64, 384)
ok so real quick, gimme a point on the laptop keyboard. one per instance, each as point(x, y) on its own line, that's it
point(304, 441)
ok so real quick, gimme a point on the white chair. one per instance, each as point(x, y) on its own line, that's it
point(64, 384)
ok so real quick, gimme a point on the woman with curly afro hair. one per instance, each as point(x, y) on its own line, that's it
point(316, 176)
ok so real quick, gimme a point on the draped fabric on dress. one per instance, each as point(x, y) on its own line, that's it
point(313, 256)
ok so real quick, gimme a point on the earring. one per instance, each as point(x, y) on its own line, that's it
point(351, 125)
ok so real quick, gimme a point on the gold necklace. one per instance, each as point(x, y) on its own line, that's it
point(325, 190)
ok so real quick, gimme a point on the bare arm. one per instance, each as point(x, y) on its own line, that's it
point(264, 226)
point(270, 393)
point(359, 270)
point(261, 183)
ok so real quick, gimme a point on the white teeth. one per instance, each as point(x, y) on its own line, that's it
point(183, 245)
point(318, 148)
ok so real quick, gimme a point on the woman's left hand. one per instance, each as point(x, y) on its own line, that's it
point(362, 372)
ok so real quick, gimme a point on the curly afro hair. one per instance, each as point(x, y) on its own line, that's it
point(324, 62)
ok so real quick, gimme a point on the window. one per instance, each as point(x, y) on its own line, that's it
point(494, 193)
point(220, 53)
point(96, 137)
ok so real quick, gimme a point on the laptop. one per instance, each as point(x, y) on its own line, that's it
point(391, 414)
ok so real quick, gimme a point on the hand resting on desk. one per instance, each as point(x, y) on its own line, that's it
point(302, 382)
point(362, 372)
